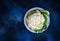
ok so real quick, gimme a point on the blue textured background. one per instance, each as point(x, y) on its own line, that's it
point(11, 20)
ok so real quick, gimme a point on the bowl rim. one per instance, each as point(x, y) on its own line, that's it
point(28, 13)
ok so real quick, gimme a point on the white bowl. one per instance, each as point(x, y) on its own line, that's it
point(28, 13)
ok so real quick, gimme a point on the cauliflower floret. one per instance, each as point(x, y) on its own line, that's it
point(35, 20)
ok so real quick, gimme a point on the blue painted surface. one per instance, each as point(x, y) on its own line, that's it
point(11, 20)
